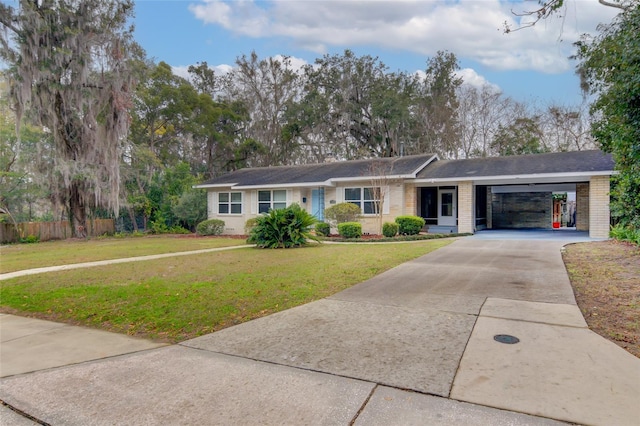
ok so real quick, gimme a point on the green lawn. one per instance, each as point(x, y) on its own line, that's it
point(174, 299)
point(52, 253)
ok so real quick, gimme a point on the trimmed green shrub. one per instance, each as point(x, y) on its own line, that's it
point(283, 228)
point(409, 225)
point(350, 230)
point(323, 228)
point(343, 212)
point(210, 227)
point(249, 224)
point(390, 229)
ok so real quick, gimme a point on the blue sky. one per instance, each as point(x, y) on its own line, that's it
point(529, 65)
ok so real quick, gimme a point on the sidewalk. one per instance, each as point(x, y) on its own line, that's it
point(414, 345)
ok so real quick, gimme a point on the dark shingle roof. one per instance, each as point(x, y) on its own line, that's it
point(314, 173)
point(557, 162)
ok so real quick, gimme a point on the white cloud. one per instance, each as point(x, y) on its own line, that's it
point(469, 28)
point(183, 70)
point(472, 78)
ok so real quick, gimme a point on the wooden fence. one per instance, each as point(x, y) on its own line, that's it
point(52, 230)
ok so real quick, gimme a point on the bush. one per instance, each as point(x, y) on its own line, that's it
point(625, 233)
point(390, 229)
point(30, 239)
point(249, 225)
point(210, 227)
point(350, 230)
point(323, 228)
point(409, 225)
point(283, 228)
point(343, 212)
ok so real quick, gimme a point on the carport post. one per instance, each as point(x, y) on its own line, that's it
point(465, 207)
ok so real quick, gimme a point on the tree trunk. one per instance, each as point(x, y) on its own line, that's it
point(77, 211)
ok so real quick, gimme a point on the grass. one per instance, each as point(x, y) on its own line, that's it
point(606, 281)
point(179, 298)
point(52, 253)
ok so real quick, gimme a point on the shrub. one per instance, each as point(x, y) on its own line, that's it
point(30, 239)
point(350, 230)
point(409, 225)
point(283, 228)
point(625, 233)
point(249, 225)
point(390, 229)
point(343, 212)
point(210, 227)
point(323, 228)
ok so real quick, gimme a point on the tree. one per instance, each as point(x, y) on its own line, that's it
point(438, 107)
point(522, 136)
point(549, 8)
point(610, 65)
point(69, 63)
point(266, 88)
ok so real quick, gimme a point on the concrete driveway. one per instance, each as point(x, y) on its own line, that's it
point(414, 345)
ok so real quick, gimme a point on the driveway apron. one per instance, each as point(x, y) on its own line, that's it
point(407, 327)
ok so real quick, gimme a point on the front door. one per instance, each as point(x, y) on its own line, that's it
point(317, 203)
point(447, 207)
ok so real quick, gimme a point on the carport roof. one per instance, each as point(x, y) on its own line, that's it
point(557, 163)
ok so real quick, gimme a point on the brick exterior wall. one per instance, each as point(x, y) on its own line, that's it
point(599, 213)
point(410, 200)
point(522, 210)
point(582, 206)
point(466, 221)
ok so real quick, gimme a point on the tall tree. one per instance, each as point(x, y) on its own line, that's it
point(610, 65)
point(69, 63)
point(438, 107)
point(266, 87)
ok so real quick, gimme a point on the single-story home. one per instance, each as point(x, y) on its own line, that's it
point(451, 195)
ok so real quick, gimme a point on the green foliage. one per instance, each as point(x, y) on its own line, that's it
point(210, 227)
point(323, 228)
point(523, 136)
point(191, 207)
point(249, 225)
point(390, 229)
point(610, 68)
point(350, 230)
point(409, 225)
point(343, 212)
point(30, 239)
point(625, 233)
point(159, 226)
point(283, 228)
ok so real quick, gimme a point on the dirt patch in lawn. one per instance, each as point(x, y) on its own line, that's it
point(606, 281)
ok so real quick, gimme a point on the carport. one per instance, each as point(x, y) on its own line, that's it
point(517, 192)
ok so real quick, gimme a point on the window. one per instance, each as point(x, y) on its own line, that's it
point(368, 199)
point(271, 200)
point(230, 203)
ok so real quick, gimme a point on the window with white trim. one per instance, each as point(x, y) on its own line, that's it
point(272, 200)
point(367, 198)
point(230, 203)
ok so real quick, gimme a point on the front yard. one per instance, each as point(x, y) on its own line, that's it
point(174, 299)
point(606, 281)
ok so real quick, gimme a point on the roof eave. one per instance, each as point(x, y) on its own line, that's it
point(567, 175)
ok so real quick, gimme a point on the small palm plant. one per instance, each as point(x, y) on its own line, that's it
point(283, 228)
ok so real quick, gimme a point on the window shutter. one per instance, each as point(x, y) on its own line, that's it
point(212, 204)
point(387, 197)
point(289, 196)
point(254, 202)
point(339, 195)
